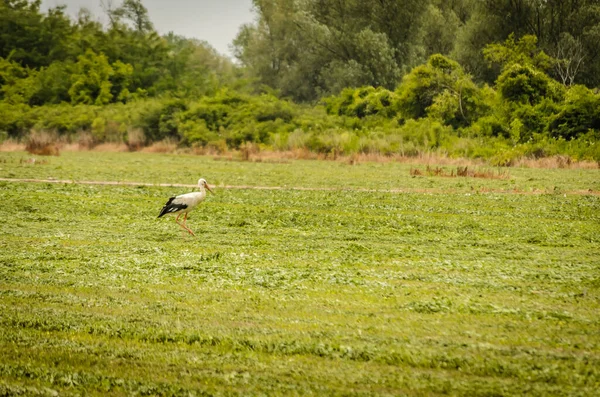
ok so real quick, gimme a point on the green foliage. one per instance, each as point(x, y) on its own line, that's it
point(579, 114)
point(64, 118)
point(363, 102)
point(95, 81)
point(493, 22)
point(196, 133)
point(91, 80)
point(439, 27)
point(160, 120)
point(17, 84)
point(14, 119)
point(418, 89)
point(524, 52)
point(442, 90)
point(308, 49)
point(522, 84)
point(31, 38)
point(52, 84)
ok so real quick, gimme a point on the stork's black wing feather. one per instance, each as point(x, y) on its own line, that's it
point(171, 207)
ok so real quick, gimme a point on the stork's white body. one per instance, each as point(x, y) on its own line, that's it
point(184, 203)
point(189, 200)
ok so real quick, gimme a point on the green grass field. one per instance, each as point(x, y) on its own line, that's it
point(459, 286)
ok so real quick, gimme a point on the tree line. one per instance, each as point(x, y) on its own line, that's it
point(475, 78)
point(307, 49)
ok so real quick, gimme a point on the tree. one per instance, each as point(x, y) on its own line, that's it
point(52, 84)
point(135, 13)
point(569, 57)
point(95, 81)
point(91, 80)
point(580, 113)
point(31, 38)
point(548, 20)
point(303, 48)
point(438, 30)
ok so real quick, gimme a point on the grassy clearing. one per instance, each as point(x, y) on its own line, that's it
point(186, 169)
point(292, 291)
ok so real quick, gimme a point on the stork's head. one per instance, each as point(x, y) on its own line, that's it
point(202, 183)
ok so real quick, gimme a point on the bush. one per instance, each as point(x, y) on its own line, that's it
point(160, 121)
point(580, 113)
point(14, 119)
point(419, 88)
point(196, 133)
point(65, 119)
point(521, 84)
point(363, 102)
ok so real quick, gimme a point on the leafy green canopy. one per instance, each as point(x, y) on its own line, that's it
point(47, 58)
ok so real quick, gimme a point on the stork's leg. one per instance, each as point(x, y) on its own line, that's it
point(177, 221)
point(185, 226)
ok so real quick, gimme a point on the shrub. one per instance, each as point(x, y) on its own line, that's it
point(196, 133)
point(580, 113)
point(64, 118)
point(14, 119)
point(522, 84)
point(362, 102)
point(160, 121)
point(419, 88)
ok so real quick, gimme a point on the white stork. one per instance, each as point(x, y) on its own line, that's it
point(184, 203)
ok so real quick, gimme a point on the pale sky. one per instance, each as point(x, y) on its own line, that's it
point(215, 21)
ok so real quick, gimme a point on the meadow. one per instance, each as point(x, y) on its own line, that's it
point(360, 279)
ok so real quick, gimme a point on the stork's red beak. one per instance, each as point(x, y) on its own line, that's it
point(208, 187)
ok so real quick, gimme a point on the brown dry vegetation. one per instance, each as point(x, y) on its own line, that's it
point(463, 171)
point(43, 143)
point(49, 143)
point(136, 139)
point(164, 146)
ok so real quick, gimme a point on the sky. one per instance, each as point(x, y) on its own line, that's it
point(215, 21)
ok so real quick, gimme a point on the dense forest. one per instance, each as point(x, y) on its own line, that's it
point(492, 79)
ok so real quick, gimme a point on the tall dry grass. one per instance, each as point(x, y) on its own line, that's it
point(85, 140)
point(43, 143)
point(557, 161)
point(136, 139)
point(12, 145)
point(165, 146)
